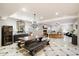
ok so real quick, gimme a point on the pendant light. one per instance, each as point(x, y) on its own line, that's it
point(34, 23)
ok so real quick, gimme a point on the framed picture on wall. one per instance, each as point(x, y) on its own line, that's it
point(76, 26)
point(20, 26)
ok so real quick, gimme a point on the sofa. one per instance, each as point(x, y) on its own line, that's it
point(34, 45)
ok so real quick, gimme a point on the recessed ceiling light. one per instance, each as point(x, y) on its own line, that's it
point(41, 17)
point(57, 13)
point(24, 9)
point(4, 17)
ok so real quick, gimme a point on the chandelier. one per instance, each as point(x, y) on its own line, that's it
point(34, 22)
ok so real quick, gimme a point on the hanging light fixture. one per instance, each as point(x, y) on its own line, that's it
point(34, 23)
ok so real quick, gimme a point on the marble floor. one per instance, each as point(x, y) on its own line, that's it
point(57, 47)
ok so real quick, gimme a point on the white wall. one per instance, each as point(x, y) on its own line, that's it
point(0, 31)
point(0, 36)
point(67, 27)
point(78, 35)
point(12, 22)
point(1, 23)
point(27, 27)
point(63, 27)
point(78, 31)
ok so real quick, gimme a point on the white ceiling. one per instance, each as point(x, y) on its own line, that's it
point(45, 10)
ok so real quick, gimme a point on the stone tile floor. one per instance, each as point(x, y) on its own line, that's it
point(56, 48)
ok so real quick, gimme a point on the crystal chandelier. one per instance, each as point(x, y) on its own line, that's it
point(34, 23)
